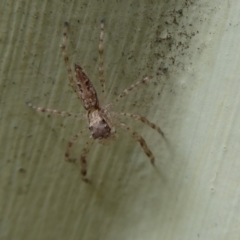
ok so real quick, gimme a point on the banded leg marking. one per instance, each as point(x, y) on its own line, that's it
point(100, 67)
point(54, 111)
point(132, 87)
point(141, 141)
point(83, 161)
point(70, 145)
point(143, 120)
point(66, 58)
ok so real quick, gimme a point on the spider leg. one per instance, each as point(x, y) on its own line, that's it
point(133, 86)
point(66, 58)
point(55, 112)
point(100, 50)
point(141, 141)
point(83, 161)
point(70, 144)
point(143, 120)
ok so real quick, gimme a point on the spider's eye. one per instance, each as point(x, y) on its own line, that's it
point(102, 122)
point(107, 128)
point(90, 128)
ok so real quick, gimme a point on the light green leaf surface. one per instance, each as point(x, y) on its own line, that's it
point(193, 192)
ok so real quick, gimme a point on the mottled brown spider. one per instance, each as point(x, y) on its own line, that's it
point(101, 121)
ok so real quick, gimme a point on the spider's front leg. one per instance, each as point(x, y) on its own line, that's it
point(83, 157)
point(143, 120)
point(70, 145)
point(141, 141)
point(83, 161)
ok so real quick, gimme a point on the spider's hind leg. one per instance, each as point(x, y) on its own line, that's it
point(132, 87)
point(66, 58)
point(100, 67)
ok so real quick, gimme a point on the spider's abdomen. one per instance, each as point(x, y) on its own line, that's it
point(86, 90)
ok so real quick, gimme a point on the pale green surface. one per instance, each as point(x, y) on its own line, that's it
point(194, 191)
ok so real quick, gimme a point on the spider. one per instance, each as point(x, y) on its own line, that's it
point(101, 120)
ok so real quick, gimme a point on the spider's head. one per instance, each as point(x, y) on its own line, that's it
point(100, 128)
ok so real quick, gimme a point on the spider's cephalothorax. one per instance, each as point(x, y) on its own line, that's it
point(100, 127)
point(99, 117)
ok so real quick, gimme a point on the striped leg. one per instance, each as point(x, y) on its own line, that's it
point(133, 86)
point(144, 120)
point(100, 50)
point(55, 112)
point(83, 161)
point(66, 58)
point(141, 141)
point(70, 144)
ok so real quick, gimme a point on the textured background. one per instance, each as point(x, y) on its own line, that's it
point(193, 192)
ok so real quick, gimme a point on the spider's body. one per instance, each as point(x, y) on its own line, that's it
point(100, 119)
